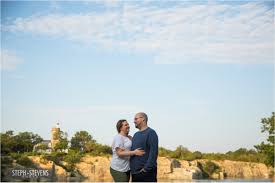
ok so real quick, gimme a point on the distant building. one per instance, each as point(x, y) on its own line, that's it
point(44, 146)
point(55, 134)
point(47, 146)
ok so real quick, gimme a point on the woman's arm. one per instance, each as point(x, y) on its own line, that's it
point(130, 137)
point(122, 153)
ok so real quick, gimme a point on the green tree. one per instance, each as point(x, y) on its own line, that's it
point(165, 152)
point(25, 161)
point(72, 158)
point(90, 146)
point(62, 143)
point(210, 167)
point(267, 148)
point(22, 142)
point(197, 155)
point(41, 147)
point(82, 141)
point(25, 141)
point(7, 142)
point(181, 153)
point(103, 149)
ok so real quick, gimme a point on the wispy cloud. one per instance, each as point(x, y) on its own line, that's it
point(198, 32)
point(9, 60)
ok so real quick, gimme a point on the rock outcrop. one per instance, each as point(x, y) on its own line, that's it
point(97, 169)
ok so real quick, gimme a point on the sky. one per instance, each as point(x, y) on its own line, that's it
point(203, 71)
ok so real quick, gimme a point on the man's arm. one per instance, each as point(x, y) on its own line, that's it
point(153, 153)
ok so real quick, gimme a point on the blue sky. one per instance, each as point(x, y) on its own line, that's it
point(202, 70)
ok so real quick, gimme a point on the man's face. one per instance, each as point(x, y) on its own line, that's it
point(138, 120)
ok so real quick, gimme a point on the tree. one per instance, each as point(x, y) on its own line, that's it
point(42, 147)
point(72, 158)
point(23, 142)
point(181, 153)
point(62, 143)
point(197, 155)
point(7, 142)
point(165, 152)
point(210, 167)
point(82, 141)
point(90, 146)
point(102, 149)
point(267, 148)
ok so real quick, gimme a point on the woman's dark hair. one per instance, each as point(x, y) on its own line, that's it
point(120, 124)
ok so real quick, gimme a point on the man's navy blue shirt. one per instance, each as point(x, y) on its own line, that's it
point(146, 140)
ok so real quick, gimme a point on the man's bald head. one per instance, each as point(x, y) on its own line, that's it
point(141, 120)
point(143, 115)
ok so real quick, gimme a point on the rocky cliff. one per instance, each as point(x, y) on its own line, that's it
point(94, 169)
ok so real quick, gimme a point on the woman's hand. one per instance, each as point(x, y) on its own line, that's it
point(139, 152)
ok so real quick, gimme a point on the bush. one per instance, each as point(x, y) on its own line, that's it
point(210, 167)
point(197, 155)
point(25, 161)
point(43, 159)
point(15, 155)
point(72, 158)
point(100, 150)
point(31, 153)
point(6, 160)
point(56, 157)
point(163, 152)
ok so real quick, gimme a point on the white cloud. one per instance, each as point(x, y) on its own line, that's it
point(9, 60)
point(215, 33)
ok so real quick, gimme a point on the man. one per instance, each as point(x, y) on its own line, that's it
point(144, 168)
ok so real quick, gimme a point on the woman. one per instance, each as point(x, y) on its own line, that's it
point(121, 147)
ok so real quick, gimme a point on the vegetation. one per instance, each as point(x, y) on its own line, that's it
point(41, 147)
point(241, 154)
point(100, 150)
point(267, 148)
point(72, 158)
point(263, 153)
point(25, 161)
point(208, 168)
point(62, 142)
point(20, 146)
point(20, 143)
point(82, 141)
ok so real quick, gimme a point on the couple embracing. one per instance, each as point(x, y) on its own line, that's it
point(135, 156)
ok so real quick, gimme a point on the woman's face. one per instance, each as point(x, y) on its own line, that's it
point(125, 127)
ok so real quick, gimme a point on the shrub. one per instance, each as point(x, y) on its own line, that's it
point(6, 160)
point(210, 167)
point(72, 158)
point(25, 161)
point(15, 155)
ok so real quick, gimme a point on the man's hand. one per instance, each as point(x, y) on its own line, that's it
point(139, 152)
point(142, 170)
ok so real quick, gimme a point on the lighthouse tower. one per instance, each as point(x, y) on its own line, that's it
point(55, 134)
